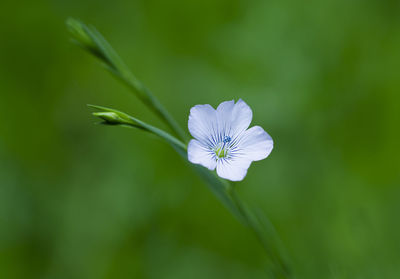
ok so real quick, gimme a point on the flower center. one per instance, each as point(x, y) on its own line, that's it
point(221, 150)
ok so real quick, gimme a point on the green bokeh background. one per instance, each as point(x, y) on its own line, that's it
point(79, 200)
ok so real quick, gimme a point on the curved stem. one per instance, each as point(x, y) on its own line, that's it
point(267, 236)
point(92, 41)
point(225, 192)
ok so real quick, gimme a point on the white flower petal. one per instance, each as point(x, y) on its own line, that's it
point(203, 122)
point(222, 140)
point(200, 154)
point(224, 119)
point(255, 144)
point(233, 118)
point(234, 169)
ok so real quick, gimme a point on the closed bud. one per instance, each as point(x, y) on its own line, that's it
point(110, 117)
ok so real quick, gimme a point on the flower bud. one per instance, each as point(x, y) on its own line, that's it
point(110, 117)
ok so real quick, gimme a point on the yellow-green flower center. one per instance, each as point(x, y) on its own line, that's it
point(222, 149)
point(221, 152)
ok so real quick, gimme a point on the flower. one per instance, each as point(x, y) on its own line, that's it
point(222, 140)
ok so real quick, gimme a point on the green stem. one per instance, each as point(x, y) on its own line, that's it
point(92, 41)
point(116, 117)
point(224, 191)
point(149, 99)
point(267, 236)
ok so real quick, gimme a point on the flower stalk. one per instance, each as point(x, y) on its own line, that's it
point(93, 42)
point(223, 189)
point(88, 38)
point(115, 117)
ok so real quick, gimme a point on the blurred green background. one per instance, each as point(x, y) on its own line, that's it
point(79, 200)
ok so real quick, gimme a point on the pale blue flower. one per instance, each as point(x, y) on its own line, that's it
point(222, 140)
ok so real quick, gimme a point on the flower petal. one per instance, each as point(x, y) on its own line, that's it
point(233, 118)
point(254, 144)
point(234, 169)
point(200, 154)
point(224, 119)
point(203, 123)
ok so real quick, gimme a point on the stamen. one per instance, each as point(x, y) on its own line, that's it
point(227, 139)
point(221, 149)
